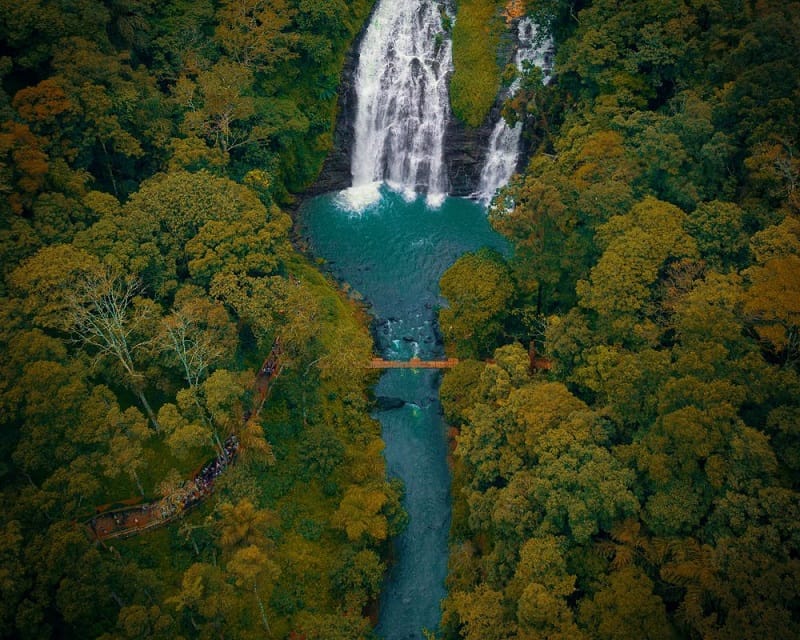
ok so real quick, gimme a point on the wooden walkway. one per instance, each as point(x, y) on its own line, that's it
point(123, 520)
point(115, 521)
point(414, 363)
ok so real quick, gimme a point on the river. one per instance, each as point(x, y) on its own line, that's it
point(394, 252)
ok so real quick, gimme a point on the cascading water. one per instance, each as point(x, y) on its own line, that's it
point(503, 151)
point(402, 103)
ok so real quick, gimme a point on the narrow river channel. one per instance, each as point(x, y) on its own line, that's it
point(394, 253)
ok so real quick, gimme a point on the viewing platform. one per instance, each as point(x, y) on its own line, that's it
point(414, 363)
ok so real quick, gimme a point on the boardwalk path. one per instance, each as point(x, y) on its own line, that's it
point(133, 519)
point(130, 520)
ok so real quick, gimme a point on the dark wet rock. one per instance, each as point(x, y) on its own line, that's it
point(335, 174)
point(387, 403)
point(464, 151)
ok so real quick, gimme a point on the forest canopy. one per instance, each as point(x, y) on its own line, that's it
point(626, 455)
point(146, 149)
point(626, 464)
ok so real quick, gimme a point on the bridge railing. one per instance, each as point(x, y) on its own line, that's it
point(413, 363)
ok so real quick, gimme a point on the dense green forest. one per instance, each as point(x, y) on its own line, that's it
point(642, 483)
point(645, 485)
point(146, 148)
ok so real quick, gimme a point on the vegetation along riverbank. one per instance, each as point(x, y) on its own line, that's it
point(640, 480)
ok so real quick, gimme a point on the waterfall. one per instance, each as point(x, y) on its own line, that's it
point(402, 103)
point(503, 150)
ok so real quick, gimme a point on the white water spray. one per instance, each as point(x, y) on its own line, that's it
point(403, 104)
point(503, 151)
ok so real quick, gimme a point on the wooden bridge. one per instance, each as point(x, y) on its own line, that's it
point(414, 363)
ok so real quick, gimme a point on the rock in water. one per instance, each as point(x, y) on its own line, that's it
point(387, 403)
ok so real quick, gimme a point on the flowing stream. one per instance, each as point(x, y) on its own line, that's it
point(502, 153)
point(392, 245)
point(394, 253)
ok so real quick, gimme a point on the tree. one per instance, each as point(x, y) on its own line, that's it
point(199, 335)
point(478, 614)
point(627, 607)
point(183, 434)
point(250, 566)
point(771, 304)
point(717, 227)
point(243, 525)
point(478, 288)
point(457, 391)
point(14, 580)
point(360, 514)
point(358, 578)
point(45, 282)
point(335, 626)
point(216, 104)
point(183, 225)
point(541, 586)
point(636, 246)
point(206, 598)
point(125, 452)
point(26, 165)
point(257, 33)
point(108, 316)
point(534, 215)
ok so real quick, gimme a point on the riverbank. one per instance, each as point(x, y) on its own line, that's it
point(391, 255)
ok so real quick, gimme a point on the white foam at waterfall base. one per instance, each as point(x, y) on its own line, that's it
point(435, 200)
point(359, 199)
point(362, 199)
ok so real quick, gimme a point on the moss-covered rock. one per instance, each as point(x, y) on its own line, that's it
point(476, 76)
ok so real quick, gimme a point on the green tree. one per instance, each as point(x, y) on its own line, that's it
point(198, 335)
point(251, 567)
point(637, 246)
point(718, 229)
point(478, 614)
point(478, 288)
point(627, 607)
point(257, 33)
point(541, 586)
point(771, 304)
point(360, 514)
point(45, 283)
point(358, 579)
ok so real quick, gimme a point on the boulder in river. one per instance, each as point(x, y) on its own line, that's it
point(386, 403)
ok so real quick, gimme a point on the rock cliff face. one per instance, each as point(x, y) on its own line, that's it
point(335, 173)
point(464, 151)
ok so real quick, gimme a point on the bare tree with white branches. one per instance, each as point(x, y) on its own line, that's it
point(104, 316)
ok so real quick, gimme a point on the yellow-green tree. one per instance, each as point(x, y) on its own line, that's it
point(478, 289)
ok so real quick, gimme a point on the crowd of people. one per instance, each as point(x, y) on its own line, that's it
point(127, 521)
point(203, 482)
point(270, 365)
